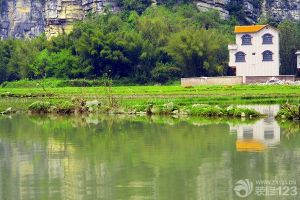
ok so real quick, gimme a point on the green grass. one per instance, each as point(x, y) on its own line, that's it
point(128, 96)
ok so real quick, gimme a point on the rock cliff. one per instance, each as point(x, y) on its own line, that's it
point(29, 18)
point(282, 9)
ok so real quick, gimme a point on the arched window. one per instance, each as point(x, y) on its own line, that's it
point(267, 55)
point(246, 39)
point(240, 57)
point(267, 38)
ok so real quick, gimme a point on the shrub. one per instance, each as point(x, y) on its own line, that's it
point(40, 107)
point(163, 73)
point(65, 107)
point(289, 112)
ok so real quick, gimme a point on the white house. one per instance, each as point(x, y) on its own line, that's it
point(256, 52)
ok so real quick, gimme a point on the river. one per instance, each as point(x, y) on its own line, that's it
point(140, 157)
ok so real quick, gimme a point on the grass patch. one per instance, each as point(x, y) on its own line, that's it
point(139, 98)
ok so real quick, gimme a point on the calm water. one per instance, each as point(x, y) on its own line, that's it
point(144, 158)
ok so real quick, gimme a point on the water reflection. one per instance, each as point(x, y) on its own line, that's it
point(257, 137)
point(261, 135)
point(127, 157)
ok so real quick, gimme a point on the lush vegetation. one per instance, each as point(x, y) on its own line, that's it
point(140, 45)
point(159, 45)
point(140, 97)
point(289, 111)
point(205, 110)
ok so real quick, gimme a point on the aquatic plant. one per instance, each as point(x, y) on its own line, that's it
point(289, 111)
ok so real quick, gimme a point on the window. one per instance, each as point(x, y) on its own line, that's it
point(240, 57)
point(267, 56)
point(246, 39)
point(267, 38)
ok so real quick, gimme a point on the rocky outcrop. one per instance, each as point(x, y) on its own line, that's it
point(29, 18)
point(282, 9)
point(60, 14)
point(20, 18)
point(219, 5)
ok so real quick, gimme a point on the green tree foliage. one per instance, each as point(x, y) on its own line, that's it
point(197, 51)
point(289, 44)
point(161, 44)
point(137, 5)
point(163, 73)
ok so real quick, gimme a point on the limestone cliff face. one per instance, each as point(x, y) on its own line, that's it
point(219, 5)
point(282, 9)
point(60, 14)
point(277, 10)
point(29, 18)
point(19, 18)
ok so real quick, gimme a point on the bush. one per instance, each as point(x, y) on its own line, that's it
point(65, 107)
point(289, 112)
point(163, 73)
point(40, 107)
point(215, 111)
point(80, 83)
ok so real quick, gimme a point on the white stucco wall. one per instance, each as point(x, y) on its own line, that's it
point(254, 65)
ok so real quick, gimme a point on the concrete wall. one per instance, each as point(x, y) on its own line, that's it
point(223, 80)
point(263, 79)
point(231, 80)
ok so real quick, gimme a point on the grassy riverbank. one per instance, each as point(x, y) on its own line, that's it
point(19, 98)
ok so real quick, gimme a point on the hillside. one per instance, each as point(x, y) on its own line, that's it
point(29, 18)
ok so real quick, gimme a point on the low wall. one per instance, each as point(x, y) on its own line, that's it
point(231, 80)
point(263, 79)
point(222, 80)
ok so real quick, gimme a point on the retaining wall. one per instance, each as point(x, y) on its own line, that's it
point(231, 80)
point(223, 80)
point(263, 79)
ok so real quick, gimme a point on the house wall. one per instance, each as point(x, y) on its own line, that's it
point(254, 65)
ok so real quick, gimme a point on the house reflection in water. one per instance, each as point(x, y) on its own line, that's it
point(261, 135)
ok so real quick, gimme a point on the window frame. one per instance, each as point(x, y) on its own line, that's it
point(267, 53)
point(240, 53)
point(265, 36)
point(244, 39)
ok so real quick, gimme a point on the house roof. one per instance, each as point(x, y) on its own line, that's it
point(249, 29)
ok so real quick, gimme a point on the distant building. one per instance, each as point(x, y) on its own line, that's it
point(254, 58)
point(298, 60)
point(256, 52)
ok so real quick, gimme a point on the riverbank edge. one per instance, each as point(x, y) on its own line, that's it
point(112, 106)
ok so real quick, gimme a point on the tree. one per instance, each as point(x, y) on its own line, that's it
point(196, 51)
point(289, 44)
point(136, 5)
point(163, 73)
